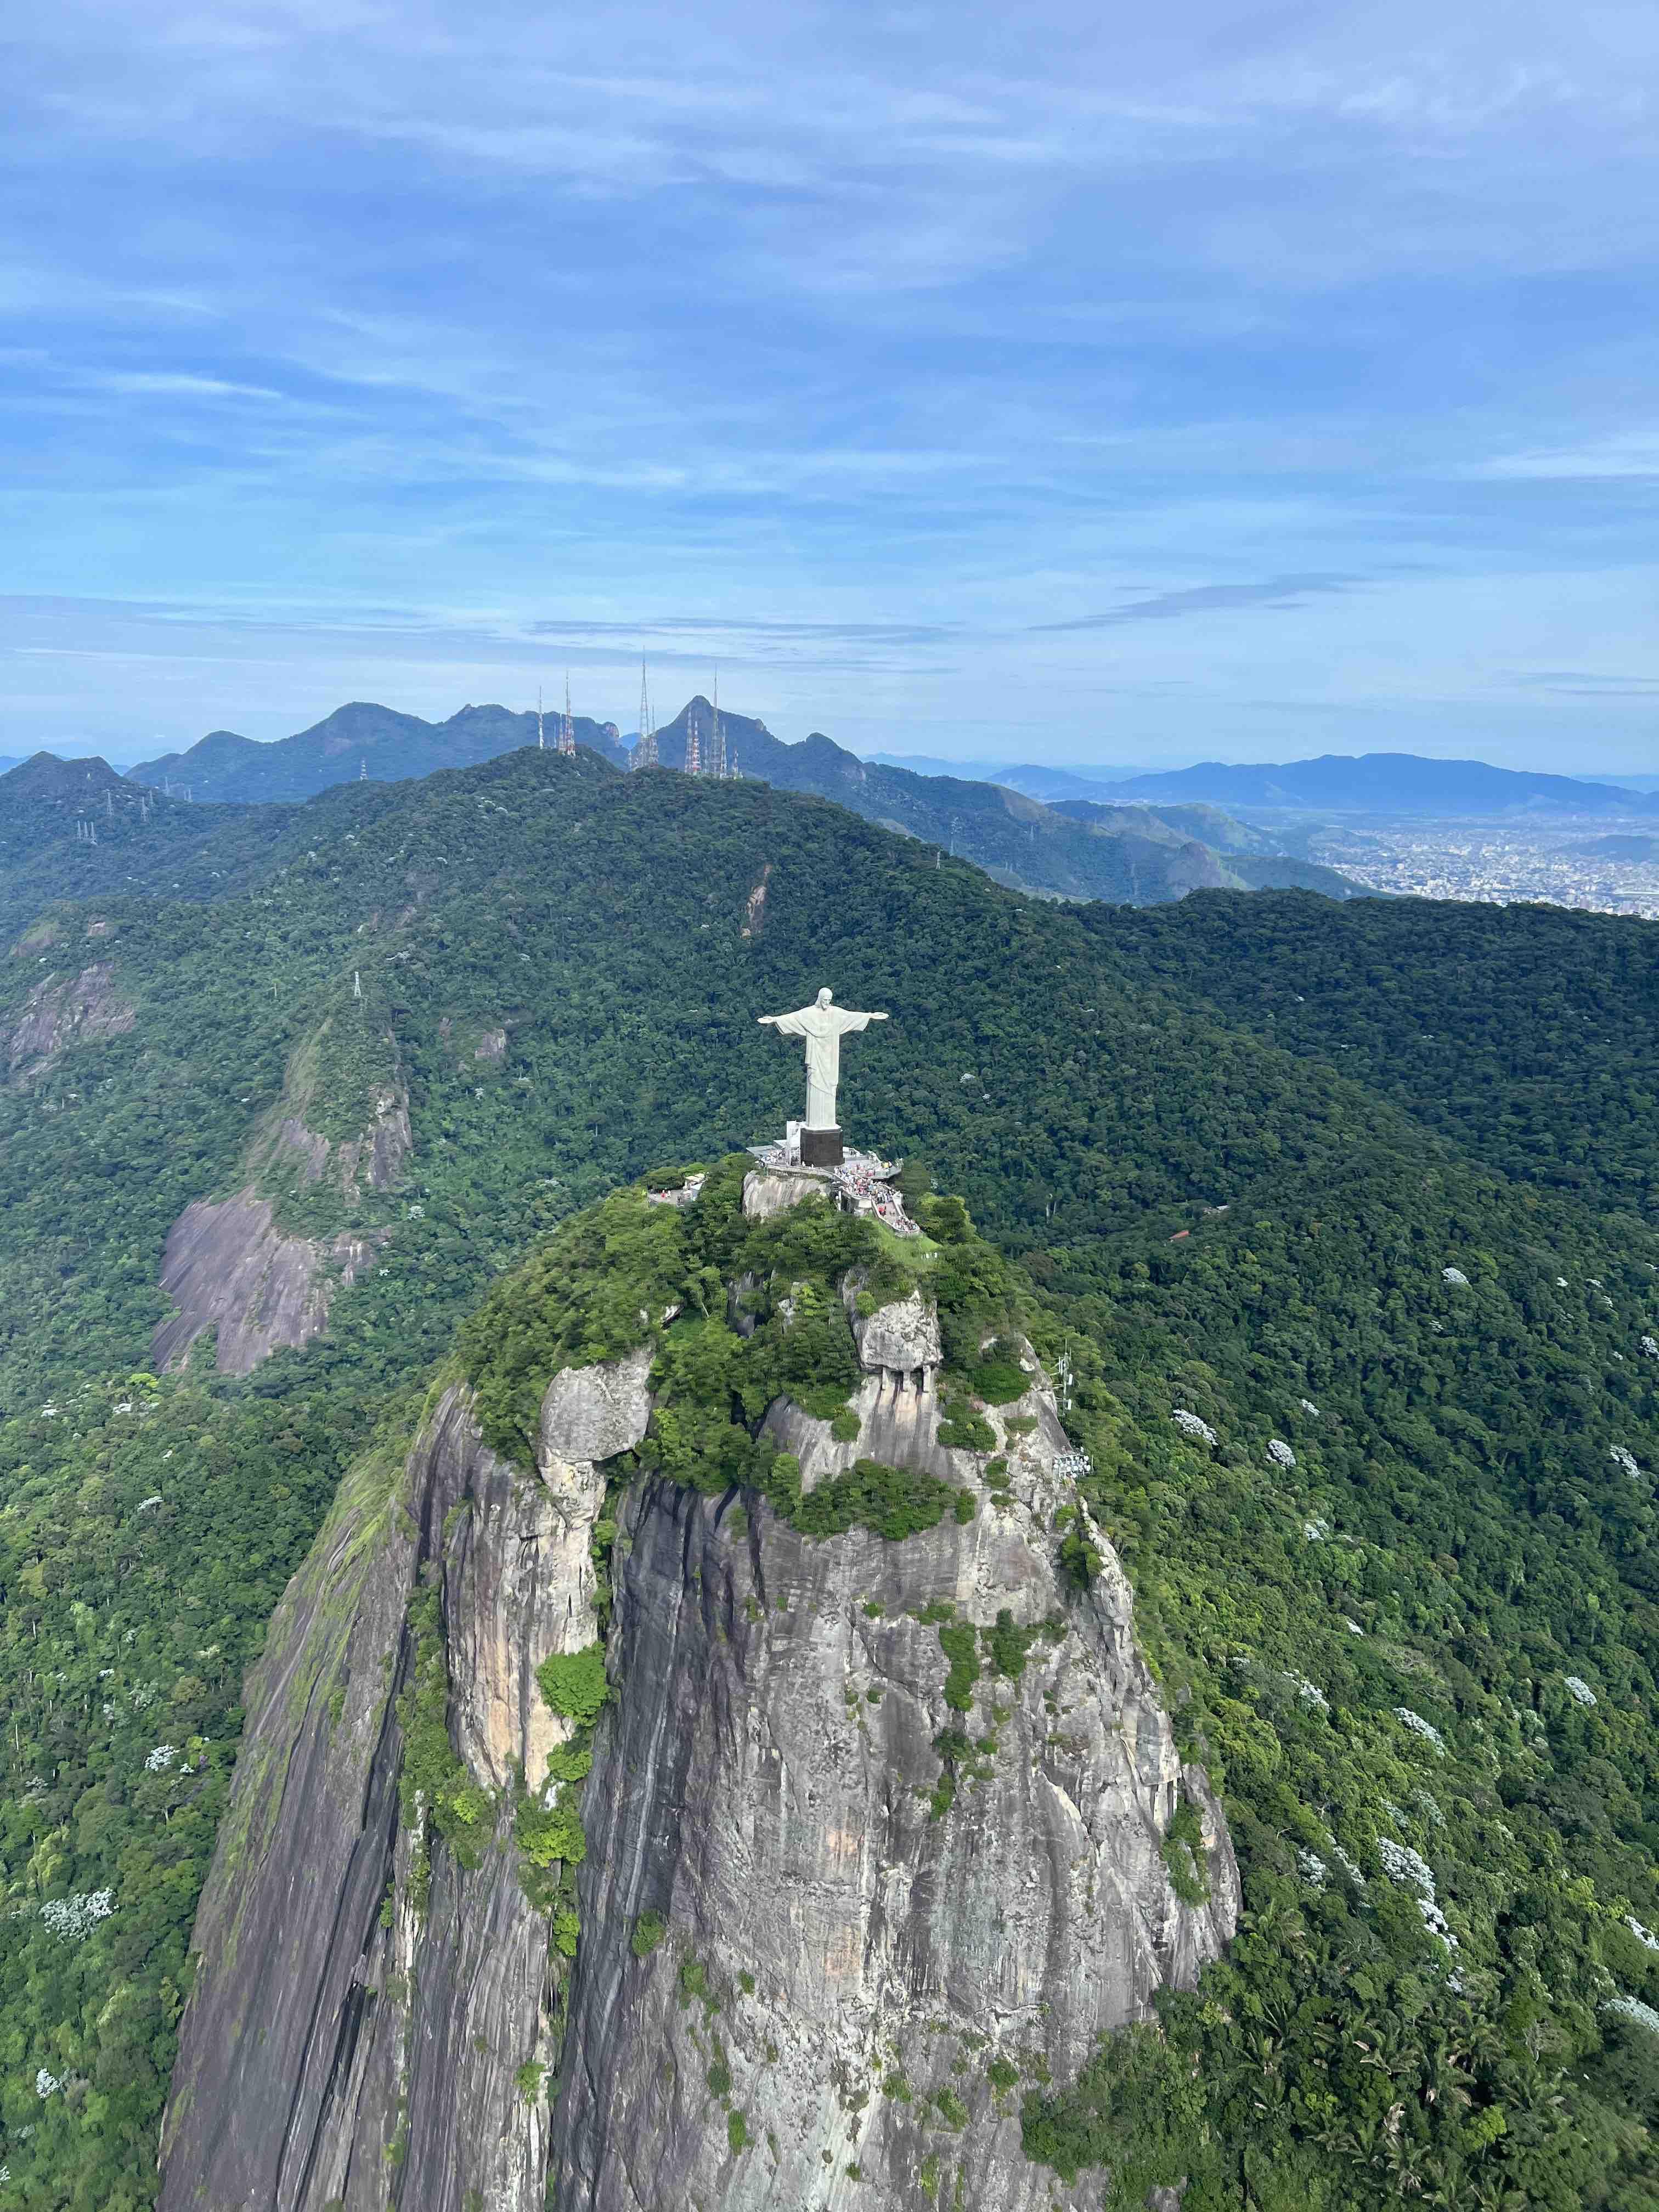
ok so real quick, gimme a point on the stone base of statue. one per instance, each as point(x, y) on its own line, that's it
point(858, 1182)
point(821, 1148)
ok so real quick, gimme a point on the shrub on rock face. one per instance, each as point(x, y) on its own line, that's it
point(961, 1429)
point(649, 1931)
point(549, 1835)
point(890, 1502)
point(998, 1377)
point(573, 1684)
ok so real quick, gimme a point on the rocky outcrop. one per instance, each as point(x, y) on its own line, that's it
point(531, 1590)
point(300, 2051)
point(341, 2045)
point(379, 1154)
point(771, 1796)
point(60, 1013)
point(226, 1265)
point(900, 1338)
point(591, 1413)
point(765, 1192)
point(876, 1835)
point(862, 1943)
point(376, 1157)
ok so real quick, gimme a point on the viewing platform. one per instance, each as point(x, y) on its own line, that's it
point(858, 1182)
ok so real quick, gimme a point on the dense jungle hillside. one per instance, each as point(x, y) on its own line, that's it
point(1394, 1564)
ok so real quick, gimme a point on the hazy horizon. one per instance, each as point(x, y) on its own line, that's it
point(974, 767)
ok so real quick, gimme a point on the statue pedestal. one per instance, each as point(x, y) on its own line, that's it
point(821, 1148)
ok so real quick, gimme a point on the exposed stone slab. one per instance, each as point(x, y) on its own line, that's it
point(332, 2055)
point(226, 1263)
point(903, 1336)
point(765, 1194)
point(764, 1779)
point(749, 1792)
point(58, 1013)
point(594, 1413)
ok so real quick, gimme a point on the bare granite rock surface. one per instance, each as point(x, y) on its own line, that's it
point(380, 1151)
point(529, 1591)
point(765, 1194)
point(899, 1336)
point(766, 1785)
point(323, 2031)
point(62, 1011)
point(594, 1413)
point(866, 1894)
point(225, 1262)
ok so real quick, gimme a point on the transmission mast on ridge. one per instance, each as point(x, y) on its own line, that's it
point(567, 727)
point(693, 742)
point(645, 753)
point(717, 750)
point(541, 734)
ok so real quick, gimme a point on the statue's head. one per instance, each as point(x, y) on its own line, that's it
point(825, 995)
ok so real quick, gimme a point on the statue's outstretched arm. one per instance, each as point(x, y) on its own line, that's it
point(767, 1019)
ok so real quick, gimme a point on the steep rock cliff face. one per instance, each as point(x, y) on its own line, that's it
point(864, 1819)
point(376, 1157)
point(769, 1787)
point(343, 2044)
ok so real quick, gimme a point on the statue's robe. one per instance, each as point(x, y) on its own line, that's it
point(823, 1028)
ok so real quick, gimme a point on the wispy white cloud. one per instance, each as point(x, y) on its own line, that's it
point(1586, 683)
point(1279, 592)
point(1632, 453)
point(171, 383)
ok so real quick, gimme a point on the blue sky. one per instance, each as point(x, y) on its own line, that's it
point(1040, 383)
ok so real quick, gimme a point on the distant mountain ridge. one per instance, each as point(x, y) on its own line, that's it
point(1051, 785)
point(1129, 855)
point(381, 745)
point(362, 740)
point(77, 829)
point(1387, 783)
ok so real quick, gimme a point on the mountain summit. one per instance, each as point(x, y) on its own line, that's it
point(359, 740)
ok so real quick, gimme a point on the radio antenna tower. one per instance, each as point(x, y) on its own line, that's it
point(567, 727)
point(645, 753)
point(717, 764)
point(541, 734)
point(693, 751)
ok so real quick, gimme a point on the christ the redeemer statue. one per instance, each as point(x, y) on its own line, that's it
point(823, 1026)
